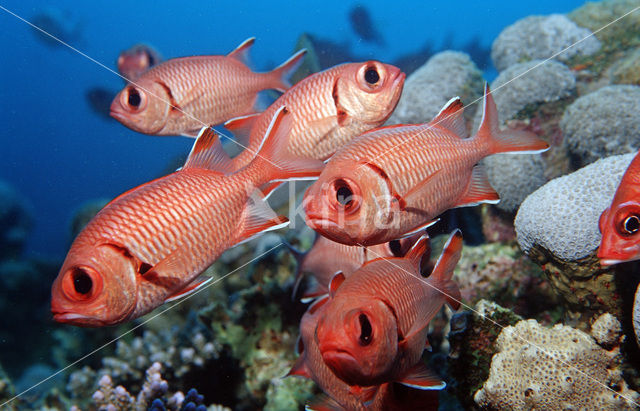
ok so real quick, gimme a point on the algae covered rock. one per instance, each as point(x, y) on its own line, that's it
point(603, 123)
point(555, 368)
point(540, 37)
point(446, 75)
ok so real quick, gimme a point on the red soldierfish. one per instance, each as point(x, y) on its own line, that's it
point(374, 328)
point(620, 223)
point(394, 180)
point(181, 95)
point(136, 60)
point(328, 108)
point(150, 244)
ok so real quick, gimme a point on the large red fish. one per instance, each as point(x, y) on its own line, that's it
point(374, 328)
point(620, 223)
point(395, 180)
point(150, 244)
point(181, 95)
point(328, 108)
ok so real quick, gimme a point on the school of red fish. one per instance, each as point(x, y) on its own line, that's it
point(374, 288)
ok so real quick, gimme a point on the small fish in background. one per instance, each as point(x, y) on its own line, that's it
point(328, 109)
point(326, 257)
point(178, 96)
point(363, 26)
point(60, 23)
point(99, 100)
point(133, 62)
point(620, 222)
point(393, 181)
point(149, 245)
point(374, 327)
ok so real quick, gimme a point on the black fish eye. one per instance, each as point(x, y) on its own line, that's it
point(371, 76)
point(82, 281)
point(366, 332)
point(134, 98)
point(631, 224)
point(344, 195)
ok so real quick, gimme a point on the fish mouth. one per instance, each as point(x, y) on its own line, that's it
point(317, 222)
point(343, 364)
point(69, 317)
point(117, 115)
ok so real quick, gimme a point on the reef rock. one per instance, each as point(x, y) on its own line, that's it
point(603, 123)
point(540, 37)
point(427, 90)
point(555, 368)
point(557, 226)
point(528, 170)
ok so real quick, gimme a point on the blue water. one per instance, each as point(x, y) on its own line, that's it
point(58, 153)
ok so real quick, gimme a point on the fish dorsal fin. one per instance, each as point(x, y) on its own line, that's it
point(207, 153)
point(479, 191)
point(259, 218)
point(194, 286)
point(422, 378)
point(417, 251)
point(241, 53)
point(451, 117)
point(300, 368)
point(241, 128)
point(443, 270)
point(336, 281)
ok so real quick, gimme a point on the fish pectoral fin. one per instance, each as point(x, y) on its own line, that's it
point(191, 97)
point(422, 189)
point(207, 153)
point(323, 402)
point(422, 378)
point(336, 282)
point(269, 188)
point(191, 288)
point(479, 190)
point(300, 369)
point(241, 128)
point(259, 218)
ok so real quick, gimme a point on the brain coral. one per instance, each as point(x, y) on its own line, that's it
point(427, 90)
point(540, 37)
point(603, 123)
point(562, 216)
point(557, 368)
point(528, 170)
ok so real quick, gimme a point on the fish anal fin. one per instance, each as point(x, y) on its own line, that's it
point(189, 289)
point(324, 403)
point(451, 117)
point(241, 128)
point(259, 218)
point(241, 53)
point(207, 153)
point(443, 270)
point(422, 378)
point(299, 368)
point(479, 190)
point(421, 227)
point(336, 281)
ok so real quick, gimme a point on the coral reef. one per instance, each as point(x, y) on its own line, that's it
point(15, 222)
point(502, 167)
point(540, 37)
point(602, 123)
point(557, 368)
point(557, 226)
point(427, 90)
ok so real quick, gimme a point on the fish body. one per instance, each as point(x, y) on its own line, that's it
point(328, 108)
point(620, 222)
point(181, 95)
point(136, 60)
point(150, 244)
point(392, 181)
point(374, 327)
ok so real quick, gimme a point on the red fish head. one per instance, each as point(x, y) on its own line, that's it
point(350, 204)
point(358, 340)
point(95, 287)
point(136, 60)
point(369, 91)
point(143, 106)
point(620, 228)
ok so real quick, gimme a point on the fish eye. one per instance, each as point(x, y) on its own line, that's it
point(371, 76)
point(366, 331)
point(631, 224)
point(82, 281)
point(81, 284)
point(345, 195)
point(134, 99)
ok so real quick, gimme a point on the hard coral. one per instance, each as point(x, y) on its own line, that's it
point(540, 37)
point(555, 368)
point(427, 90)
point(603, 123)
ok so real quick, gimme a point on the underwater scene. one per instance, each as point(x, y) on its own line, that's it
point(220, 205)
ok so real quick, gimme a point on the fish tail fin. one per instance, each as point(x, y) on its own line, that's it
point(515, 141)
point(273, 153)
point(280, 75)
point(442, 273)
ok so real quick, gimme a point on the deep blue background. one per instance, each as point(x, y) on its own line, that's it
point(58, 153)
